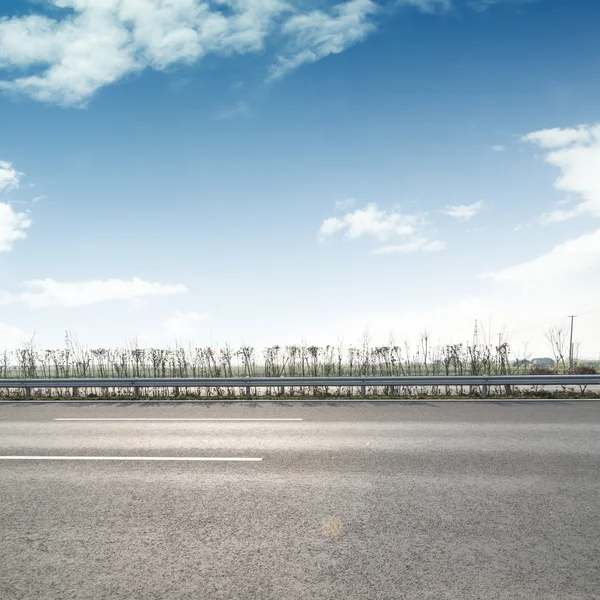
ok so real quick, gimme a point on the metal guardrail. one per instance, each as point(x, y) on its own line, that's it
point(247, 383)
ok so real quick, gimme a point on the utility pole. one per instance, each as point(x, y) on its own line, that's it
point(572, 317)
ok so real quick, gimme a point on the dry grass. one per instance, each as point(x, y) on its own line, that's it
point(294, 361)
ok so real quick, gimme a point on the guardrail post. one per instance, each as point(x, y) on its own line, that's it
point(28, 392)
point(363, 390)
point(136, 389)
point(74, 392)
point(484, 391)
point(248, 392)
point(176, 392)
point(281, 389)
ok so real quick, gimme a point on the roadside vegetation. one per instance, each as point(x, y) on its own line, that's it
point(76, 361)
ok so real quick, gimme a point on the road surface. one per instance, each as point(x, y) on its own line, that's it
point(364, 501)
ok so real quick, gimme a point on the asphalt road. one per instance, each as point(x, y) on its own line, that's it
point(365, 501)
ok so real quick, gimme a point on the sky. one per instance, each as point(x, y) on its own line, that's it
point(275, 172)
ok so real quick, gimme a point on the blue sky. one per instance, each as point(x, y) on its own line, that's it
point(262, 171)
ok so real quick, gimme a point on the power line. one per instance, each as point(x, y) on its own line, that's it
point(538, 326)
point(588, 312)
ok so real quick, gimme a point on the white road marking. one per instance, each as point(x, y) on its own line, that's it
point(174, 419)
point(149, 458)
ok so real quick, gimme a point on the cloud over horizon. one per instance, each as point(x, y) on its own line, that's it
point(49, 293)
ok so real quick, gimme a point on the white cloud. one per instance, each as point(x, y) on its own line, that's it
point(417, 245)
point(557, 138)
point(65, 54)
point(498, 148)
point(383, 226)
point(371, 221)
point(97, 42)
point(576, 258)
point(9, 178)
point(183, 324)
point(464, 212)
point(44, 293)
point(318, 34)
point(12, 226)
point(576, 153)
